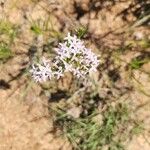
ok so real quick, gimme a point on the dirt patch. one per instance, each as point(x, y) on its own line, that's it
point(26, 121)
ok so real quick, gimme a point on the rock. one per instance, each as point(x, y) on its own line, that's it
point(75, 112)
point(138, 35)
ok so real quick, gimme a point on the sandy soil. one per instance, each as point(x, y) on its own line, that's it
point(25, 121)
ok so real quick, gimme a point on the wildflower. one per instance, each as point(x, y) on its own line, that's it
point(76, 57)
point(41, 71)
point(72, 56)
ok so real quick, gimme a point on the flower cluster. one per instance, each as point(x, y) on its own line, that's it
point(72, 56)
point(43, 71)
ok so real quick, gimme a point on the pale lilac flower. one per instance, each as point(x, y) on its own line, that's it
point(76, 57)
point(72, 56)
point(41, 71)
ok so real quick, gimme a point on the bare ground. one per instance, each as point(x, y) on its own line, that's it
point(25, 121)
